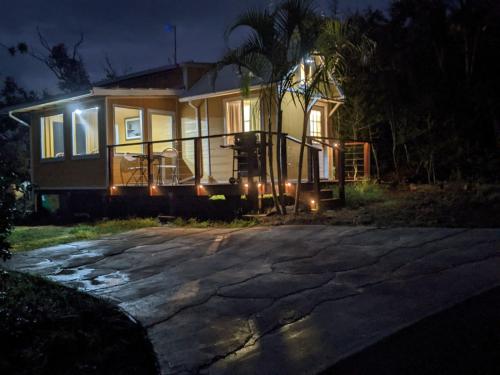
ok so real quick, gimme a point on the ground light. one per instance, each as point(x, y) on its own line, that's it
point(314, 206)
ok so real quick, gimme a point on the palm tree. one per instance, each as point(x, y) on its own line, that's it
point(307, 91)
point(271, 52)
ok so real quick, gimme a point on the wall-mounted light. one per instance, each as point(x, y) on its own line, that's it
point(78, 111)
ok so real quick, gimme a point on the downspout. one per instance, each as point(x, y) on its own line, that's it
point(198, 121)
point(24, 123)
point(209, 147)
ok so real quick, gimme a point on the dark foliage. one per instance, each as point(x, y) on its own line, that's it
point(14, 156)
point(50, 329)
point(429, 95)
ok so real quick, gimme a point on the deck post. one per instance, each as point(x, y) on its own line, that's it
point(110, 167)
point(263, 154)
point(310, 164)
point(367, 161)
point(197, 161)
point(283, 158)
point(315, 166)
point(341, 173)
point(150, 170)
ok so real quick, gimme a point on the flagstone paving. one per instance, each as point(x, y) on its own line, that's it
point(274, 300)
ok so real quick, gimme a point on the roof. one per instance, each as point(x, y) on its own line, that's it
point(93, 92)
point(113, 87)
point(152, 72)
point(220, 82)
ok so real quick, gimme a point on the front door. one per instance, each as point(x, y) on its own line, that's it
point(317, 129)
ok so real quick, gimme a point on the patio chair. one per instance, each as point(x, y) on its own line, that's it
point(168, 161)
point(130, 165)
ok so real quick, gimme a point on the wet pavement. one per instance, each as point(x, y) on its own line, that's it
point(274, 300)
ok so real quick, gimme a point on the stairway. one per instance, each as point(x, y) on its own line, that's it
point(327, 201)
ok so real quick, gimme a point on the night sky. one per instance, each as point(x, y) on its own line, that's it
point(130, 32)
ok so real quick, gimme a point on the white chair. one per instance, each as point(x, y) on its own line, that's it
point(168, 161)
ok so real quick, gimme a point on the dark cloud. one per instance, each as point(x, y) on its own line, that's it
point(130, 32)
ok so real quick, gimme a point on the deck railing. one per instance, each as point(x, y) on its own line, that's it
point(210, 159)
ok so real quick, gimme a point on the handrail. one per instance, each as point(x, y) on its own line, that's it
point(187, 139)
point(345, 140)
point(296, 140)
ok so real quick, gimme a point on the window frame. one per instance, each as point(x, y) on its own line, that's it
point(143, 117)
point(151, 112)
point(241, 100)
point(42, 138)
point(323, 123)
point(73, 135)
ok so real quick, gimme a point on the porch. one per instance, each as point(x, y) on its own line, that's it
point(234, 164)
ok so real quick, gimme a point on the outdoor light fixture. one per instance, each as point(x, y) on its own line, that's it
point(78, 111)
point(113, 187)
point(288, 184)
point(246, 185)
point(313, 202)
point(201, 186)
point(153, 187)
point(335, 145)
point(259, 185)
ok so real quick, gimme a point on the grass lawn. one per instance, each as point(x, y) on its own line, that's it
point(50, 329)
point(464, 339)
point(34, 237)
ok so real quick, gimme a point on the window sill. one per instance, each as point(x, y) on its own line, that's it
point(86, 157)
point(52, 160)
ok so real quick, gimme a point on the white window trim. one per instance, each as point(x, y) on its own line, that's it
point(143, 122)
point(42, 140)
point(73, 136)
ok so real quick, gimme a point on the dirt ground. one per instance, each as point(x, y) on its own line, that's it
point(458, 205)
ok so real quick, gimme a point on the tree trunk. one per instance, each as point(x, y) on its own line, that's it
point(374, 152)
point(298, 188)
point(279, 130)
point(271, 167)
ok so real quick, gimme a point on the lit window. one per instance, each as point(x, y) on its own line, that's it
point(129, 129)
point(243, 115)
point(315, 124)
point(85, 132)
point(52, 136)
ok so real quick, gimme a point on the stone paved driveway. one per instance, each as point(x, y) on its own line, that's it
point(280, 300)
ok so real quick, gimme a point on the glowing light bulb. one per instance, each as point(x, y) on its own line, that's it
point(78, 111)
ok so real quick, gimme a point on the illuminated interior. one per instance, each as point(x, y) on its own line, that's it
point(52, 136)
point(128, 128)
point(242, 116)
point(85, 132)
point(162, 128)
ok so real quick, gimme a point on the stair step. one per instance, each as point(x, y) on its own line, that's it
point(330, 203)
point(325, 193)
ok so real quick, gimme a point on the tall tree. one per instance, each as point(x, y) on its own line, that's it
point(272, 50)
